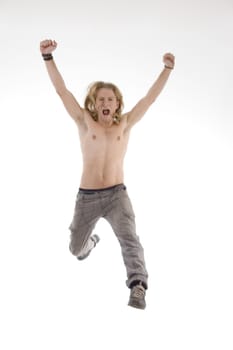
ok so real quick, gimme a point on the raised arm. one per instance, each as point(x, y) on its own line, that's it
point(142, 106)
point(69, 101)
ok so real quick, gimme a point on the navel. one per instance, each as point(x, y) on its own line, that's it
point(93, 136)
point(118, 138)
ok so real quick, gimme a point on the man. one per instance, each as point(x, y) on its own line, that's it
point(104, 135)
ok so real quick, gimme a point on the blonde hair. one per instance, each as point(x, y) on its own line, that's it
point(91, 98)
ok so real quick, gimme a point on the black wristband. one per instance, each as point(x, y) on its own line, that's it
point(47, 56)
point(168, 67)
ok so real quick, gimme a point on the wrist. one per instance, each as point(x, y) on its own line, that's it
point(168, 67)
point(47, 56)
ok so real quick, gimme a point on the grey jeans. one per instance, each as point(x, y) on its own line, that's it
point(114, 205)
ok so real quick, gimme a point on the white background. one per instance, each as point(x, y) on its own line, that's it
point(178, 171)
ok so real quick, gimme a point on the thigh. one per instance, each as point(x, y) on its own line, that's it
point(86, 212)
point(83, 223)
point(121, 216)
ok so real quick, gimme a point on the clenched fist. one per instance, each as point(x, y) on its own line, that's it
point(169, 60)
point(47, 46)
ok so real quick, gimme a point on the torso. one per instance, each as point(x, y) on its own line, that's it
point(103, 150)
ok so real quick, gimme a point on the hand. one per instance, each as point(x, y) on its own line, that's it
point(47, 46)
point(169, 60)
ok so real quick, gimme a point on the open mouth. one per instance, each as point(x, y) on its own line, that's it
point(106, 111)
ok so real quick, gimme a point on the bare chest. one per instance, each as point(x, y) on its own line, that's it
point(101, 139)
point(96, 140)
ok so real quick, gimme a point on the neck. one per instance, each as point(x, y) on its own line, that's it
point(106, 124)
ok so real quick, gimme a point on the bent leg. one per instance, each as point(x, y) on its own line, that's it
point(83, 223)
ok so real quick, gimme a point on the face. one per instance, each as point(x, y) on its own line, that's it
point(106, 105)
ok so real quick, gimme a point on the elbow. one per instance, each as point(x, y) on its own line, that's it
point(60, 87)
point(150, 100)
point(60, 91)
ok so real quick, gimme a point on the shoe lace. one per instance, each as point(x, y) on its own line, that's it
point(138, 291)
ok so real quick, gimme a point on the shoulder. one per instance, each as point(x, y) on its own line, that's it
point(87, 118)
point(125, 122)
point(87, 122)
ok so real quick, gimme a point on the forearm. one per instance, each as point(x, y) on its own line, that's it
point(55, 76)
point(158, 85)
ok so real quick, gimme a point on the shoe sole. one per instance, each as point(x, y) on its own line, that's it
point(136, 306)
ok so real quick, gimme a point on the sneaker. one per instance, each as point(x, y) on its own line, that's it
point(137, 297)
point(95, 239)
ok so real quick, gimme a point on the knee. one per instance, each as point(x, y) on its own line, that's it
point(75, 245)
point(73, 250)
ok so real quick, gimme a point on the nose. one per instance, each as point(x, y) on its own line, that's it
point(105, 103)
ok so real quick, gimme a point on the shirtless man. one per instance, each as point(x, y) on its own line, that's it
point(104, 134)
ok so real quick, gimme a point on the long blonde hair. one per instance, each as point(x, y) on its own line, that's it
point(91, 98)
